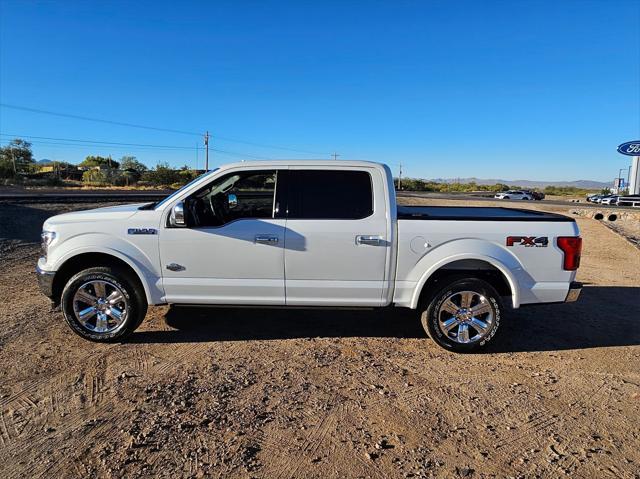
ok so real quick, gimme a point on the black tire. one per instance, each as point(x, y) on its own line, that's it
point(434, 314)
point(506, 198)
point(133, 295)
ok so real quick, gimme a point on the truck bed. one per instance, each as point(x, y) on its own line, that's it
point(473, 213)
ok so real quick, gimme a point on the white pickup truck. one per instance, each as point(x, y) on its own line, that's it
point(306, 234)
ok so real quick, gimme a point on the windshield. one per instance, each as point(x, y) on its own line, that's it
point(172, 195)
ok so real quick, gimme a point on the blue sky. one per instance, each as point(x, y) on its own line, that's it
point(512, 89)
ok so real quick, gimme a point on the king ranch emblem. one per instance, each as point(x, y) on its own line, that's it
point(528, 241)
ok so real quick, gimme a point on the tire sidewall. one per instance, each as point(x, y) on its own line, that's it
point(430, 316)
point(92, 274)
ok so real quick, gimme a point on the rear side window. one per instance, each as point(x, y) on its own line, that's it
point(326, 194)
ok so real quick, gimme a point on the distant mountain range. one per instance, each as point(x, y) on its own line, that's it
point(586, 184)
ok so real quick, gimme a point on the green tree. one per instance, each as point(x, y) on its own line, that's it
point(95, 177)
point(92, 161)
point(129, 177)
point(132, 169)
point(15, 158)
point(131, 163)
point(162, 175)
point(106, 177)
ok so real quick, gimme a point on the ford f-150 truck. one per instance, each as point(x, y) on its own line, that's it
point(306, 234)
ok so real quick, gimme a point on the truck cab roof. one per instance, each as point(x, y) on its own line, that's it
point(306, 163)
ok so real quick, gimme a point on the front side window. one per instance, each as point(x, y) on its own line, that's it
point(241, 195)
point(177, 192)
point(329, 194)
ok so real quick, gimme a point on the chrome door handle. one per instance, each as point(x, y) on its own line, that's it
point(369, 240)
point(266, 239)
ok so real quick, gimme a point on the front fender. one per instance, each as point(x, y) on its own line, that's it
point(142, 258)
point(464, 249)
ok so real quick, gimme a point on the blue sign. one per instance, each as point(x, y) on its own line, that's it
point(631, 148)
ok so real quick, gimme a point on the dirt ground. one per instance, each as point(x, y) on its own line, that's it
point(285, 394)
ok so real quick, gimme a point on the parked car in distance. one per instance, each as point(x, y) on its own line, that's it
point(294, 233)
point(536, 195)
point(593, 198)
point(601, 198)
point(513, 195)
point(610, 200)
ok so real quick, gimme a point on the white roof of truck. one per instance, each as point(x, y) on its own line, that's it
point(319, 162)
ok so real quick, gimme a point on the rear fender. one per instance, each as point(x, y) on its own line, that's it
point(501, 259)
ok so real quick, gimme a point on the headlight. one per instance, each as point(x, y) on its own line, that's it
point(46, 237)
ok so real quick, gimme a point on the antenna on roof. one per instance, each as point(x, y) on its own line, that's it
point(335, 156)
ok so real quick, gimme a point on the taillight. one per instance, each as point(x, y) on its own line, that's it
point(571, 246)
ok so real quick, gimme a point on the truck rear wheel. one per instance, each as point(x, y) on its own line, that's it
point(103, 304)
point(464, 315)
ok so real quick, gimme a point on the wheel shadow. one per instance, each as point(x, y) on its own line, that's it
point(198, 324)
point(602, 317)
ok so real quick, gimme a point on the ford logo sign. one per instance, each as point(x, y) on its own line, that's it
point(631, 148)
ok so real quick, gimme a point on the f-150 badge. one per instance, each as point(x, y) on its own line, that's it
point(529, 241)
point(142, 231)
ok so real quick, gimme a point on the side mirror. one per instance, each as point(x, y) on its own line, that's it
point(177, 218)
point(232, 201)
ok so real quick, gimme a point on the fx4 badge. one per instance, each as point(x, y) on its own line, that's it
point(529, 241)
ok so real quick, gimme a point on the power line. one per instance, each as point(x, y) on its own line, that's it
point(170, 130)
point(99, 120)
point(241, 155)
point(89, 143)
point(100, 142)
point(263, 145)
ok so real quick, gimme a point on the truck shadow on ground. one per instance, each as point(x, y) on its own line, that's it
point(603, 317)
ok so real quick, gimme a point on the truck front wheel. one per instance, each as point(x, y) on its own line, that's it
point(103, 304)
point(464, 315)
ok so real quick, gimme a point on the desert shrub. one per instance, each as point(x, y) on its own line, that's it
point(565, 191)
point(161, 175)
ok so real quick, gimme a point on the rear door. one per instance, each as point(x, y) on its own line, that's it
point(336, 242)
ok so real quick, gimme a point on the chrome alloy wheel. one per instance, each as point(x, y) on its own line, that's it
point(100, 306)
point(465, 317)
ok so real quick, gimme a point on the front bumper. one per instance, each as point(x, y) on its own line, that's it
point(45, 281)
point(575, 288)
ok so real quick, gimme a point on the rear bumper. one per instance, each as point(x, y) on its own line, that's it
point(45, 281)
point(575, 288)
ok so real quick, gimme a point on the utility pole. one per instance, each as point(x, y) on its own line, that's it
point(206, 146)
point(620, 188)
point(335, 156)
point(15, 168)
point(400, 178)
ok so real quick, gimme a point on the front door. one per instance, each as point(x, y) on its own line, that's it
point(336, 240)
point(231, 251)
